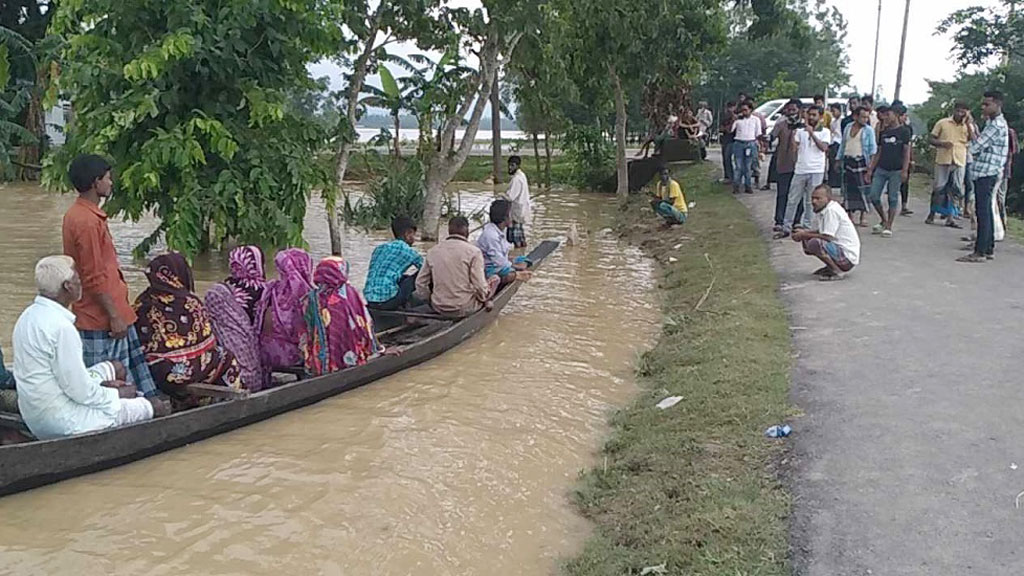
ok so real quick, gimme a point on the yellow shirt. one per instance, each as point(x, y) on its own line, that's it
point(947, 130)
point(826, 120)
point(675, 195)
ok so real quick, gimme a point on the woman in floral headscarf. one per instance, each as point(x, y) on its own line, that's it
point(280, 310)
point(176, 333)
point(339, 331)
point(247, 280)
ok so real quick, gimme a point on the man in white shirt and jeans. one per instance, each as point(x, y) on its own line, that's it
point(832, 238)
point(747, 130)
point(57, 395)
point(811, 156)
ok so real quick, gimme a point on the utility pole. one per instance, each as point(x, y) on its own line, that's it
point(878, 30)
point(903, 48)
point(496, 130)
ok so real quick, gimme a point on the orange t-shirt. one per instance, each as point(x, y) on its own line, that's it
point(87, 239)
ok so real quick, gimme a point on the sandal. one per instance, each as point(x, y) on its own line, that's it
point(951, 224)
point(780, 235)
point(822, 271)
point(886, 233)
point(877, 229)
point(831, 277)
point(972, 258)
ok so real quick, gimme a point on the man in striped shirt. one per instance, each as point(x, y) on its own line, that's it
point(989, 150)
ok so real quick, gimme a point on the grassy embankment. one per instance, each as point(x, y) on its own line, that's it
point(478, 169)
point(696, 486)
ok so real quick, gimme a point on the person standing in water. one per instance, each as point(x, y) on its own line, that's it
point(104, 316)
point(519, 195)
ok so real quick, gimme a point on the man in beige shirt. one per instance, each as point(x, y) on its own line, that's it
point(949, 137)
point(453, 274)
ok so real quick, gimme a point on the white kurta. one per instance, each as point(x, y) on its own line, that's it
point(57, 395)
point(519, 195)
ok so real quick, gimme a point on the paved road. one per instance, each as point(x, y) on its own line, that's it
point(910, 375)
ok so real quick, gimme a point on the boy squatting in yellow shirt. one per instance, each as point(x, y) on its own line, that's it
point(669, 201)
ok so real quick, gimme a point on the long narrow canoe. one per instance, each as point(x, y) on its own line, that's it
point(31, 464)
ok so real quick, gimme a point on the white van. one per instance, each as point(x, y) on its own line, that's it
point(772, 109)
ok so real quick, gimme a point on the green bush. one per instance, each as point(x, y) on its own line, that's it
point(394, 188)
point(591, 156)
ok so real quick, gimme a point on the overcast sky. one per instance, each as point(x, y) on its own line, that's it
point(927, 57)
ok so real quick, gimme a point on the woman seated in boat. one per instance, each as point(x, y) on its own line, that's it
point(235, 333)
point(339, 330)
point(248, 280)
point(177, 335)
point(280, 310)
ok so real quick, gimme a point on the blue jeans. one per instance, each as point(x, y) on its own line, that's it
point(986, 243)
point(744, 153)
point(890, 179)
point(727, 165)
point(493, 270)
point(670, 213)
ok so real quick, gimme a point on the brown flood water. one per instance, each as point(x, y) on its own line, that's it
point(463, 465)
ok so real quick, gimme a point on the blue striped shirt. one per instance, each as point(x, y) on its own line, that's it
point(991, 148)
point(388, 264)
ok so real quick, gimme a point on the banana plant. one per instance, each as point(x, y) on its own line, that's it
point(390, 97)
point(15, 95)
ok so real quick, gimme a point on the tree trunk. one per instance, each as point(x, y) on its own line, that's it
point(434, 188)
point(334, 227)
point(333, 221)
point(398, 140)
point(496, 130)
point(622, 169)
point(446, 163)
point(536, 151)
point(359, 71)
point(547, 159)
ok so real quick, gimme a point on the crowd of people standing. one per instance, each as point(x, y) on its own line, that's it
point(867, 155)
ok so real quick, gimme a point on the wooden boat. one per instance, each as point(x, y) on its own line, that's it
point(31, 464)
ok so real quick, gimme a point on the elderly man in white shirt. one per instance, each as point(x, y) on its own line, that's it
point(519, 195)
point(57, 395)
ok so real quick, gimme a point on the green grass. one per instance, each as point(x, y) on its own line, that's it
point(697, 486)
point(478, 169)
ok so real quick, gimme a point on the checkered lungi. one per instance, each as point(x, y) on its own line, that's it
point(98, 346)
point(9, 401)
point(516, 234)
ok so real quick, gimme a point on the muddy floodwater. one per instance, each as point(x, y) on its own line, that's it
point(463, 465)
